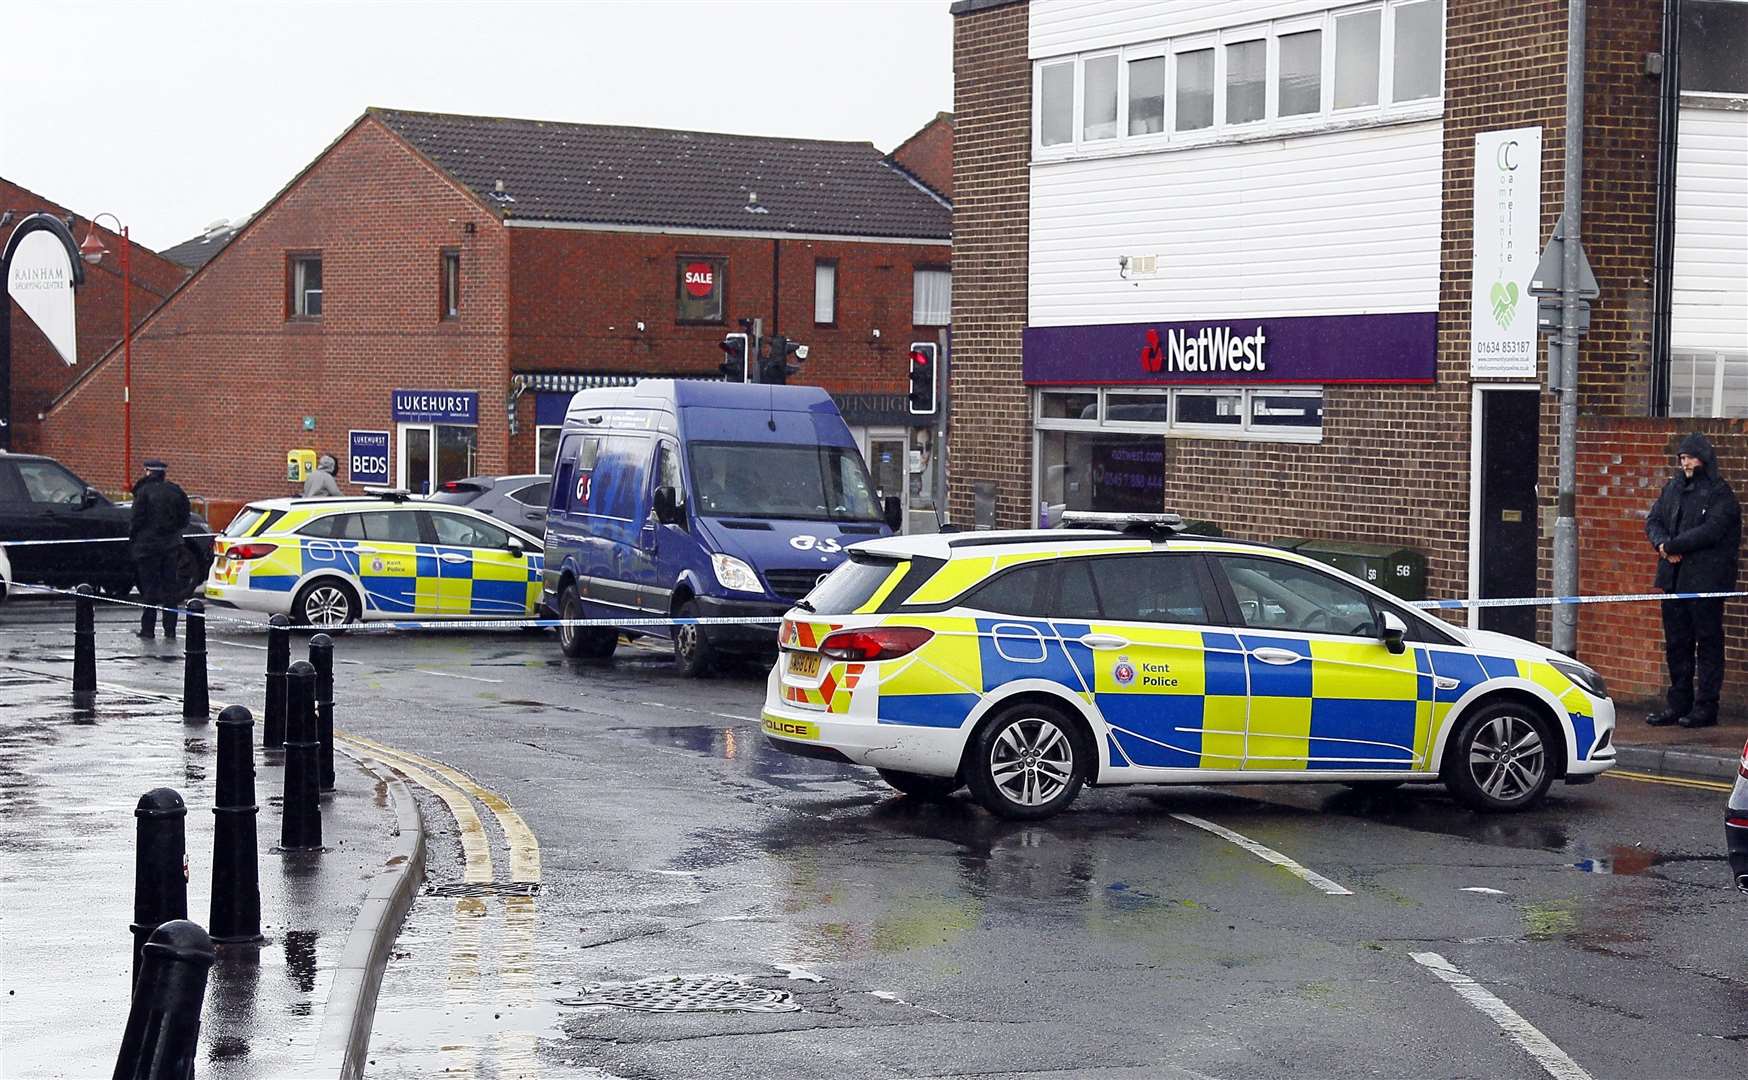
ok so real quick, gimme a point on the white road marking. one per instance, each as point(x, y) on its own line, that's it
point(1267, 854)
point(1550, 1057)
point(1482, 889)
point(732, 716)
point(239, 644)
point(453, 675)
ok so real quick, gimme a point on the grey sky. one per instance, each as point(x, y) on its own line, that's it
point(171, 113)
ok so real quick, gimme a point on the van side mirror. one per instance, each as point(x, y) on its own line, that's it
point(667, 506)
point(892, 510)
point(1390, 630)
point(89, 498)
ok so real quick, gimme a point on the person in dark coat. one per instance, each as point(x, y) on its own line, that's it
point(1696, 527)
point(161, 512)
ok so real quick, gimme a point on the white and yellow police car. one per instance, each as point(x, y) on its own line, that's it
point(329, 562)
point(1026, 664)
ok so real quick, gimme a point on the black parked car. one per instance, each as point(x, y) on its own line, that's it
point(519, 500)
point(41, 499)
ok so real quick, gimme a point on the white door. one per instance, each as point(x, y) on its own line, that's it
point(417, 461)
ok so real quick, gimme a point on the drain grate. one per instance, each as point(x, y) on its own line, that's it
point(685, 994)
point(483, 888)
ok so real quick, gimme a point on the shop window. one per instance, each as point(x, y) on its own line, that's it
point(1147, 95)
point(449, 285)
point(1419, 51)
point(1300, 83)
point(1714, 47)
point(1099, 99)
point(1056, 104)
point(306, 286)
point(1357, 39)
point(1068, 404)
point(825, 292)
point(1272, 409)
point(699, 287)
point(1246, 81)
point(1205, 408)
point(1141, 407)
point(931, 297)
point(546, 447)
point(1195, 90)
point(1105, 472)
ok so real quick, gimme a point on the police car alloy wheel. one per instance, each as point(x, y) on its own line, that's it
point(325, 603)
point(1026, 763)
point(918, 786)
point(1499, 759)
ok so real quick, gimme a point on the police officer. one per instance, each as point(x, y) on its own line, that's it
point(1696, 527)
point(160, 515)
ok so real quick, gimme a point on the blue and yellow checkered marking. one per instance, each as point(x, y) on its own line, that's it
point(409, 579)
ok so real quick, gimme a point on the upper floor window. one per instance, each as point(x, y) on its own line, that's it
point(306, 286)
point(931, 297)
point(825, 292)
point(698, 284)
point(1714, 47)
point(450, 285)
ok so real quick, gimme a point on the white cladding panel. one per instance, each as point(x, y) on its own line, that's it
point(1341, 223)
point(1710, 289)
point(1066, 26)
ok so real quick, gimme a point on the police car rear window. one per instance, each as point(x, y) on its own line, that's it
point(851, 585)
point(244, 521)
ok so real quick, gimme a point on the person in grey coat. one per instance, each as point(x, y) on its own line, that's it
point(321, 479)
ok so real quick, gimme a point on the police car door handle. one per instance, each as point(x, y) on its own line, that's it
point(1104, 641)
point(452, 557)
point(1276, 656)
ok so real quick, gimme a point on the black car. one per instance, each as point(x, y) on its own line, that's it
point(43, 500)
point(1736, 825)
point(519, 500)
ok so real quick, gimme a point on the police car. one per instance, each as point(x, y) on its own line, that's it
point(1027, 664)
point(329, 562)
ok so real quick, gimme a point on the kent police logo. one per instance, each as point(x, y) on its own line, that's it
point(1124, 673)
point(376, 564)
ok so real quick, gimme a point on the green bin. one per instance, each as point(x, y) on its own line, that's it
point(1198, 527)
point(1397, 570)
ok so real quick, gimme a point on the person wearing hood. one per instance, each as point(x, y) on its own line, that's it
point(160, 513)
point(1696, 527)
point(321, 479)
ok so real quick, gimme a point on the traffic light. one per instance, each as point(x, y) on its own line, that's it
point(775, 367)
point(923, 381)
point(734, 357)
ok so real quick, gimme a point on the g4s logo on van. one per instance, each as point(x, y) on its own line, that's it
point(804, 542)
point(583, 483)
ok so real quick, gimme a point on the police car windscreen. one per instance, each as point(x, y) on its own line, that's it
point(772, 480)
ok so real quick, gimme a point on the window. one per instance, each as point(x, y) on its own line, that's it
point(457, 531)
point(48, 483)
point(1222, 408)
point(1099, 99)
point(1022, 591)
point(1195, 90)
point(390, 526)
point(668, 471)
point(1075, 597)
point(450, 285)
point(1147, 95)
point(1285, 409)
point(335, 527)
point(1149, 588)
point(546, 447)
point(306, 286)
point(1300, 82)
point(1276, 595)
point(931, 297)
point(1419, 51)
point(772, 480)
point(1714, 47)
point(1056, 104)
point(698, 285)
point(851, 585)
point(1246, 81)
point(1357, 38)
point(825, 292)
point(534, 494)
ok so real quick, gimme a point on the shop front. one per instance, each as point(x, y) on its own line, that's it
point(437, 432)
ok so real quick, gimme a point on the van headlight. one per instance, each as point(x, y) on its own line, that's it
point(732, 573)
point(1582, 677)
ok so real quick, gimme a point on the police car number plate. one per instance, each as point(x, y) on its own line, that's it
point(804, 665)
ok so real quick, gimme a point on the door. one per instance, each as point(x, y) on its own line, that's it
point(416, 458)
point(673, 545)
point(1510, 436)
point(480, 574)
point(887, 456)
point(1325, 692)
point(391, 565)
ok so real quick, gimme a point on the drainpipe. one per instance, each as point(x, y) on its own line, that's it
point(1566, 519)
point(1663, 249)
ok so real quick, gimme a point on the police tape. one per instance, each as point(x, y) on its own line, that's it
point(1558, 601)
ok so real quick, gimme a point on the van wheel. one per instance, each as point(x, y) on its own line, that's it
point(1026, 763)
point(918, 786)
point(325, 602)
point(582, 642)
point(1499, 759)
point(693, 655)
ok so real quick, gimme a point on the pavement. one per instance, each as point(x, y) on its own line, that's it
point(296, 1004)
point(1708, 753)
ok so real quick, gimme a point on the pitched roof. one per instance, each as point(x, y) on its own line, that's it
point(652, 177)
point(194, 253)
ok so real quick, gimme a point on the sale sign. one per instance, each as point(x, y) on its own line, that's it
point(700, 280)
point(700, 288)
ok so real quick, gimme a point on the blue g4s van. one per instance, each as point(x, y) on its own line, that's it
point(700, 499)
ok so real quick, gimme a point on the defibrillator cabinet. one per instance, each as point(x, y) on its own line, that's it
point(298, 465)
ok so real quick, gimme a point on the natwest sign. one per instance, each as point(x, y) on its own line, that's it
point(1313, 349)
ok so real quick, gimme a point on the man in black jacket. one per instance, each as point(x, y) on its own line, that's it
point(1696, 527)
point(161, 512)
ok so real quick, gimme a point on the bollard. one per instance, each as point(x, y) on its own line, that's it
point(322, 659)
point(160, 865)
point(195, 707)
point(278, 656)
point(84, 648)
point(236, 887)
point(301, 821)
point(163, 1025)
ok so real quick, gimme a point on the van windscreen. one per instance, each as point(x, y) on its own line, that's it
point(778, 480)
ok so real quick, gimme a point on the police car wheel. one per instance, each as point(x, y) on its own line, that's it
point(1026, 763)
point(693, 655)
point(918, 786)
point(325, 602)
point(1499, 760)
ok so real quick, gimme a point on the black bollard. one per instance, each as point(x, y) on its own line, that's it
point(301, 822)
point(322, 659)
point(160, 865)
point(195, 707)
point(163, 1025)
point(84, 648)
point(236, 887)
point(278, 657)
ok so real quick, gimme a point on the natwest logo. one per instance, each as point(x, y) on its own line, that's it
point(700, 279)
point(1210, 349)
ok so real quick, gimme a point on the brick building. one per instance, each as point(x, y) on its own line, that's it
point(38, 373)
point(1220, 257)
point(451, 280)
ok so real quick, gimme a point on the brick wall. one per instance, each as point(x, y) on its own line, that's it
point(38, 373)
point(222, 379)
point(928, 155)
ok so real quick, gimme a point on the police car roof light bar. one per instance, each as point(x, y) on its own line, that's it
point(1137, 524)
point(391, 494)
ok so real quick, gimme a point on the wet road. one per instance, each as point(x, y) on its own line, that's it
point(1145, 933)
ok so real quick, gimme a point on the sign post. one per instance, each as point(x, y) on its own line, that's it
point(41, 267)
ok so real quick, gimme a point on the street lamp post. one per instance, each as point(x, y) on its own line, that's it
point(91, 249)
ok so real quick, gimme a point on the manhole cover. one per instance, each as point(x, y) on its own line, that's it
point(685, 994)
point(484, 888)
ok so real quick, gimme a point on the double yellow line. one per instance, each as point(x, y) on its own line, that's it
point(1672, 781)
